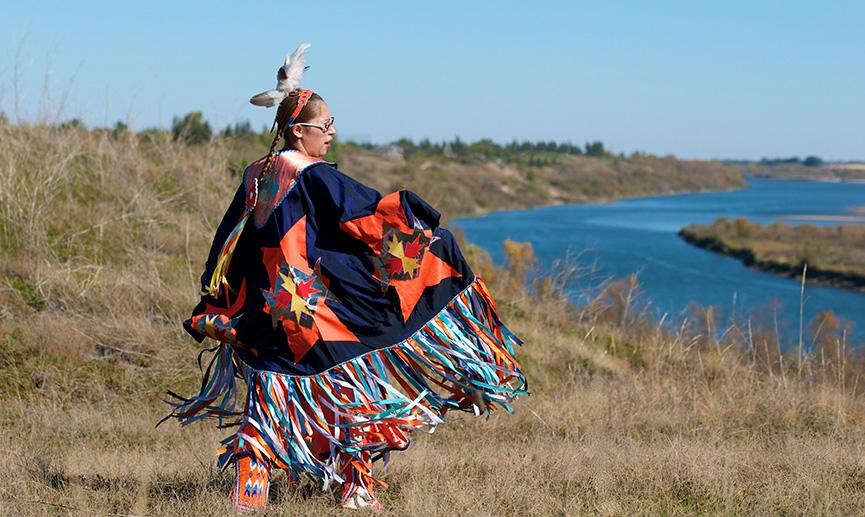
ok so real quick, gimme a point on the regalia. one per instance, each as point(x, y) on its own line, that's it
point(353, 319)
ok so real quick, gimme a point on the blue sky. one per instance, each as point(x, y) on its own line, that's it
point(695, 79)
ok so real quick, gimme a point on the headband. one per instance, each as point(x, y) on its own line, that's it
point(301, 102)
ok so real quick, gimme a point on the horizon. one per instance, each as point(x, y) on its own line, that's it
point(733, 82)
point(217, 132)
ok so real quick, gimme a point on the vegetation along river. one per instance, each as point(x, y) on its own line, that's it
point(640, 236)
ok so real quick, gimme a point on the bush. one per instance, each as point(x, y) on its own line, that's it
point(812, 161)
point(595, 149)
point(192, 128)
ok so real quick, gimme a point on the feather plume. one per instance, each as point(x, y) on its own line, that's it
point(287, 78)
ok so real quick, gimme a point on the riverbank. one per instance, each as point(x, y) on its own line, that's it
point(834, 255)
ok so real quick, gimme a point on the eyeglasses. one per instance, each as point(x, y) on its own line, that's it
point(324, 127)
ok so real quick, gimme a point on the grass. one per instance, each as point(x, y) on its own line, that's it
point(103, 239)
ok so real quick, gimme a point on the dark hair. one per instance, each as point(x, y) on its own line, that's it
point(286, 108)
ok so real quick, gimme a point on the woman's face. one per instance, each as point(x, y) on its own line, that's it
point(311, 140)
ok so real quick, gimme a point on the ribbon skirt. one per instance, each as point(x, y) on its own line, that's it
point(333, 425)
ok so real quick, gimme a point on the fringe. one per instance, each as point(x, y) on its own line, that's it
point(223, 260)
point(462, 359)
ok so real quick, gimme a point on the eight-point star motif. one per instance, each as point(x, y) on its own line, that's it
point(294, 296)
point(401, 254)
point(402, 258)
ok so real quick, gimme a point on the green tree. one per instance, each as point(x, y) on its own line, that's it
point(192, 128)
point(458, 147)
point(74, 123)
point(120, 129)
point(238, 129)
point(812, 161)
point(594, 149)
point(426, 146)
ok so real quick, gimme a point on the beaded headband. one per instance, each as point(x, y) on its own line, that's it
point(301, 102)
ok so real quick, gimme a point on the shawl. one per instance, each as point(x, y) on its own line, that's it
point(344, 310)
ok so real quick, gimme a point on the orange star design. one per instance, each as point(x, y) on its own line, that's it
point(370, 229)
point(326, 326)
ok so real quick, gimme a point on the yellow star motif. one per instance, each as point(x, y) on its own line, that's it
point(298, 304)
point(394, 247)
point(409, 264)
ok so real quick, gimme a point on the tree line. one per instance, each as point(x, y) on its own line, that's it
point(809, 161)
point(193, 129)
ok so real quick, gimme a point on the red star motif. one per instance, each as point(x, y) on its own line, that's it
point(305, 289)
point(393, 266)
point(283, 299)
point(412, 249)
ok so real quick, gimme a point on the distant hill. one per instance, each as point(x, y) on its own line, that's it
point(475, 183)
point(793, 168)
point(469, 187)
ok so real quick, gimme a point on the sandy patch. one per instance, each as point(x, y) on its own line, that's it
point(848, 166)
point(830, 218)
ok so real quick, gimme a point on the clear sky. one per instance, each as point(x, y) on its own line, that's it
point(730, 79)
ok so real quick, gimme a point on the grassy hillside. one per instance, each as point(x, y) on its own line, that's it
point(472, 184)
point(473, 187)
point(835, 255)
point(102, 240)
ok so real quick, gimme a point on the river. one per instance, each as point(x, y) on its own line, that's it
point(639, 236)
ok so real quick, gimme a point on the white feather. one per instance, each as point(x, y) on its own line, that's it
point(268, 99)
point(288, 77)
point(294, 67)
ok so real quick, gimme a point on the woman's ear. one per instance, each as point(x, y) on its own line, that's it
point(297, 131)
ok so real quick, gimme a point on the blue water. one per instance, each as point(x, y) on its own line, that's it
point(639, 236)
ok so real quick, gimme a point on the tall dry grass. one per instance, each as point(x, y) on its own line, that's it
point(102, 241)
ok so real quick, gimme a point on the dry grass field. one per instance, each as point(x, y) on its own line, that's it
point(102, 239)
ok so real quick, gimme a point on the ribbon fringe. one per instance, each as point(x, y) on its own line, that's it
point(223, 260)
point(462, 359)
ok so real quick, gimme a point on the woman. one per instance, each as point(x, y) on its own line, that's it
point(352, 317)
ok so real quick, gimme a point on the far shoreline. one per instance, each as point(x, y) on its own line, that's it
point(608, 201)
point(601, 202)
point(705, 237)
